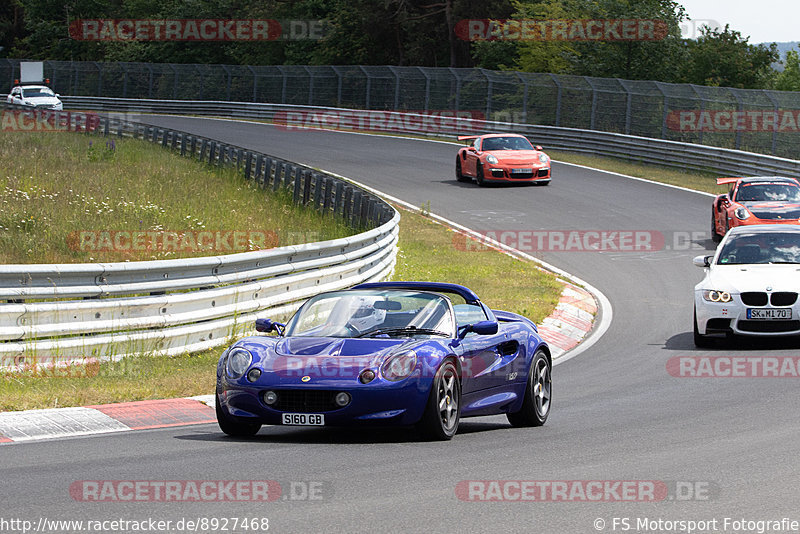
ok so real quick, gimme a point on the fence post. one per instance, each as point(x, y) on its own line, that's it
point(593, 114)
point(740, 108)
point(558, 99)
point(774, 101)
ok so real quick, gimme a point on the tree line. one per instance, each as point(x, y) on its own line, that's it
point(411, 32)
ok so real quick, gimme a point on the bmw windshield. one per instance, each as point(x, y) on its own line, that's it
point(761, 248)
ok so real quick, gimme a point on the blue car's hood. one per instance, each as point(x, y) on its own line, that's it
point(327, 346)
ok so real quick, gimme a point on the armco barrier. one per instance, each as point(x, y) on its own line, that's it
point(174, 306)
point(639, 149)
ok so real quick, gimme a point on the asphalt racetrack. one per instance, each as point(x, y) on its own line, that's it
point(714, 448)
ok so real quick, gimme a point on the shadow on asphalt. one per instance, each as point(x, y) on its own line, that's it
point(493, 185)
point(339, 435)
point(685, 342)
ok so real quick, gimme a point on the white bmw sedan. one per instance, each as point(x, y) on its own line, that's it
point(751, 284)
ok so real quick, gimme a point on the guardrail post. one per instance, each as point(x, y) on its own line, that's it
point(347, 202)
point(259, 177)
point(363, 212)
point(307, 184)
point(338, 199)
point(174, 140)
point(289, 175)
point(355, 212)
point(268, 165)
point(327, 195)
point(183, 144)
point(298, 183)
point(211, 149)
point(317, 191)
point(248, 164)
point(280, 169)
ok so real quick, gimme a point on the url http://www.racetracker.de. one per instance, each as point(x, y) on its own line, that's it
point(195, 524)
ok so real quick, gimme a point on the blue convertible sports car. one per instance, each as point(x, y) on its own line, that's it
point(391, 353)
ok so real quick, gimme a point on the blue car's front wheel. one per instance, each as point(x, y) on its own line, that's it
point(538, 392)
point(231, 427)
point(443, 411)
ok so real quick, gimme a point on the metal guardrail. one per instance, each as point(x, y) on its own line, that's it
point(640, 149)
point(174, 306)
point(748, 118)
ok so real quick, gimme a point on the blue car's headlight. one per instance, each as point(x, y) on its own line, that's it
point(399, 366)
point(239, 360)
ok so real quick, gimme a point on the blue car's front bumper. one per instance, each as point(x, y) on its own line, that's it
point(379, 403)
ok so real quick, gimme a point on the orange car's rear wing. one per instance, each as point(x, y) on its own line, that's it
point(723, 181)
point(466, 137)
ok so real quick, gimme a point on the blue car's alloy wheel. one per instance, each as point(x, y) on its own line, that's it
point(538, 394)
point(443, 411)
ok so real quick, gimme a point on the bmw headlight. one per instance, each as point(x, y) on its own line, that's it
point(399, 366)
point(491, 158)
point(239, 359)
point(713, 295)
point(543, 158)
point(741, 213)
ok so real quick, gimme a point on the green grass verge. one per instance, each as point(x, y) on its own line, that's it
point(74, 198)
point(428, 251)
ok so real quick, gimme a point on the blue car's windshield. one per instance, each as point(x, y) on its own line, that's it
point(380, 312)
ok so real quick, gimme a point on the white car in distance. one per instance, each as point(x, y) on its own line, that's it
point(34, 97)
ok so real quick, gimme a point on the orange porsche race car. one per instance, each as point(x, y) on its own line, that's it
point(502, 158)
point(755, 200)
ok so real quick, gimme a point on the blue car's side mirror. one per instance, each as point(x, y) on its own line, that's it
point(482, 328)
point(267, 325)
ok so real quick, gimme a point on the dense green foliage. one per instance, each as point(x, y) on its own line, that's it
point(407, 32)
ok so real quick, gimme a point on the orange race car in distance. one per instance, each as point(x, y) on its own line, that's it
point(755, 200)
point(502, 158)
